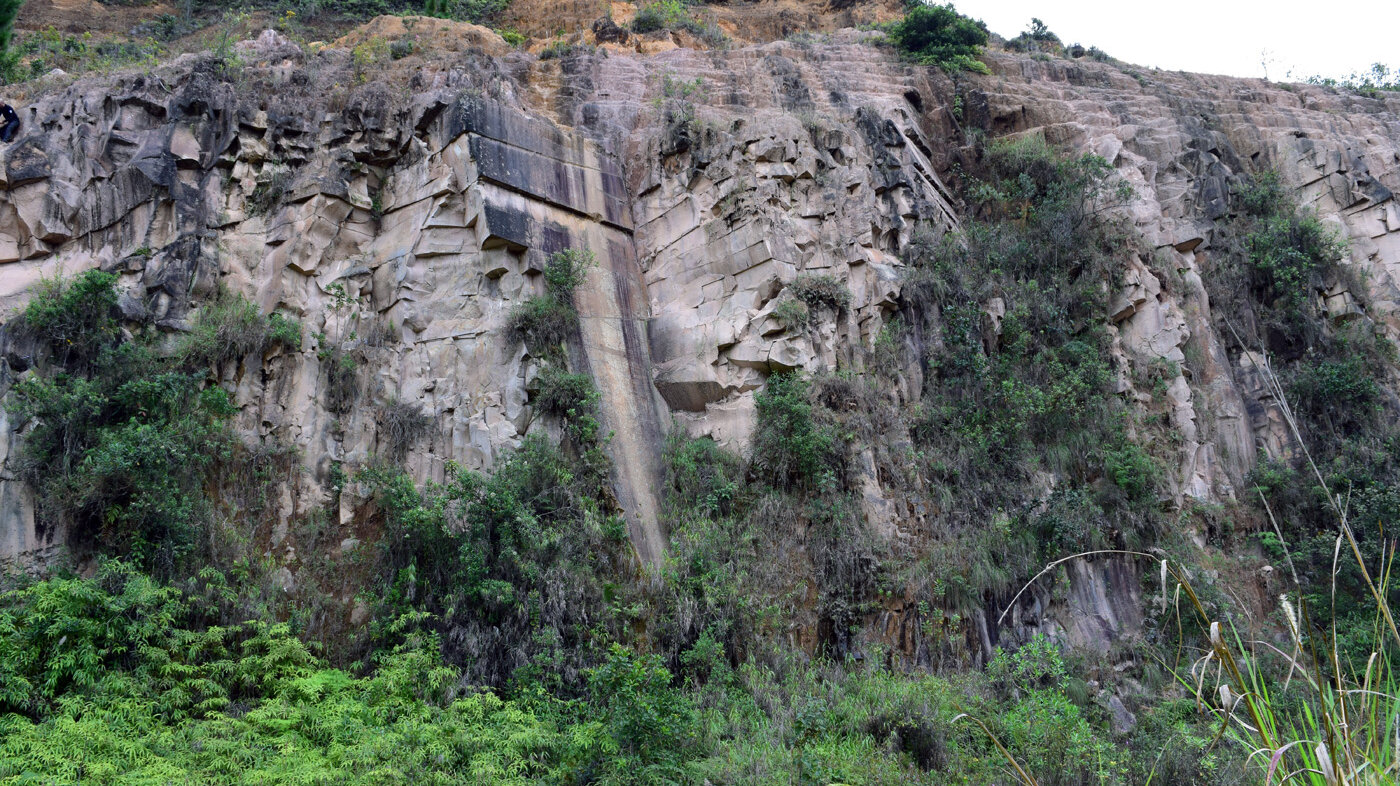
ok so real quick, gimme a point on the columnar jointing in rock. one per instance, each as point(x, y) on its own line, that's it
point(546, 191)
point(432, 219)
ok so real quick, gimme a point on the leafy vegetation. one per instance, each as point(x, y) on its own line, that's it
point(122, 438)
point(1036, 38)
point(664, 15)
point(545, 322)
point(512, 636)
point(938, 35)
point(231, 328)
point(1020, 382)
point(820, 292)
point(117, 678)
point(1378, 79)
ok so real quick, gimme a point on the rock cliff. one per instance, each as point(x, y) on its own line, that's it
point(402, 211)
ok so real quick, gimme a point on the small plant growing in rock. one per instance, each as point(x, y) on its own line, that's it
point(820, 292)
point(566, 270)
point(792, 313)
point(546, 321)
point(400, 425)
point(573, 399)
point(367, 55)
point(401, 48)
point(342, 376)
point(270, 189)
point(232, 327)
point(561, 49)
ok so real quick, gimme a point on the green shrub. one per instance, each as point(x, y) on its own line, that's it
point(662, 15)
point(75, 318)
point(230, 328)
point(790, 448)
point(700, 476)
point(1289, 255)
point(820, 292)
point(1132, 469)
point(939, 35)
point(342, 365)
point(566, 270)
point(651, 726)
point(792, 313)
point(544, 323)
point(1264, 195)
point(401, 48)
point(561, 49)
point(1345, 387)
point(513, 565)
point(573, 399)
point(120, 441)
point(285, 331)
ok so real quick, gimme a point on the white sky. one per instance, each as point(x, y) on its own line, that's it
point(1215, 36)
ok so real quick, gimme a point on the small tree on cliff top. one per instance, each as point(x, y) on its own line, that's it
point(939, 35)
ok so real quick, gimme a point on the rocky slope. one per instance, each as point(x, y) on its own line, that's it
point(401, 208)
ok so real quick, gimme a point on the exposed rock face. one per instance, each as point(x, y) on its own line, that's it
point(406, 218)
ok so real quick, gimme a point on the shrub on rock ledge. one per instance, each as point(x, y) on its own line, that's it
point(939, 35)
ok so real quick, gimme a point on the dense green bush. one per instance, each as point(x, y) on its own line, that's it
point(121, 438)
point(939, 35)
point(792, 314)
point(514, 565)
point(1267, 286)
point(546, 322)
point(76, 319)
point(119, 679)
point(788, 446)
point(1276, 260)
point(543, 323)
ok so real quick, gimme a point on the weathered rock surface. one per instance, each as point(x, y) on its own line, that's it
point(705, 182)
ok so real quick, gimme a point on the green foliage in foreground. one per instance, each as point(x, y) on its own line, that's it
point(119, 679)
point(939, 35)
